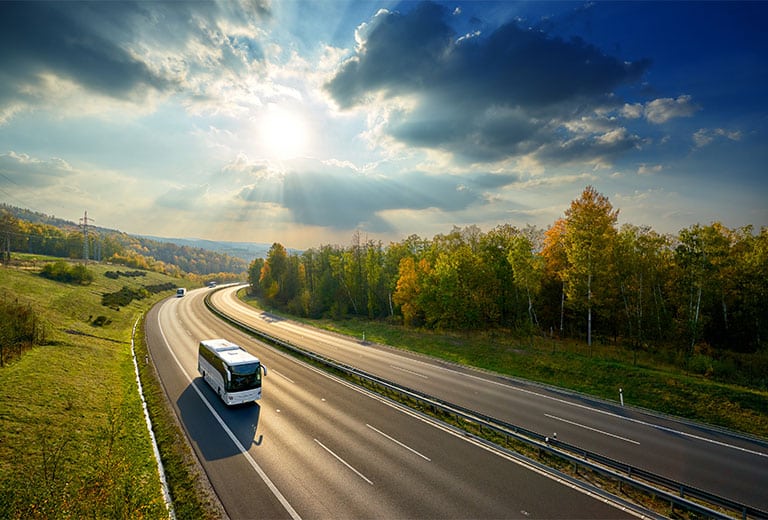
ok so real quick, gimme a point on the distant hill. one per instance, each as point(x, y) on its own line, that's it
point(36, 217)
point(34, 232)
point(247, 251)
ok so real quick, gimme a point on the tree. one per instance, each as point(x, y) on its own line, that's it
point(274, 277)
point(751, 313)
point(254, 276)
point(590, 230)
point(377, 288)
point(640, 257)
point(408, 291)
point(493, 249)
point(555, 263)
point(693, 268)
point(528, 268)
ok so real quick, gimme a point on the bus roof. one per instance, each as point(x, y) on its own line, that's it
point(230, 352)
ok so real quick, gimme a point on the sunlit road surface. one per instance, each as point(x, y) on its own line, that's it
point(315, 447)
point(716, 461)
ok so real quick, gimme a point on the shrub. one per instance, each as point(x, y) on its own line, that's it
point(101, 321)
point(61, 271)
point(123, 297)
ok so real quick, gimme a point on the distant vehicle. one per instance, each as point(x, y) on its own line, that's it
point(233, 373)
point(181, 291)
point(211, 284)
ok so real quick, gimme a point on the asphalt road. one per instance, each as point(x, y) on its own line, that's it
point(316, 447)
point(706, 458)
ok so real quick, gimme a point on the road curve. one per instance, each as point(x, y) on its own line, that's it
point(316, 447)
point(714, 460)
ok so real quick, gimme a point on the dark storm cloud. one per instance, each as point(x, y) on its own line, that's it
point(69, 40)
point(98, 45)
point(400, 53)
point(341, 199)
point(602, 148)
point(484, 97)
point(478, 136)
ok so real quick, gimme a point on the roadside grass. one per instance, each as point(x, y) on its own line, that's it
point(73, 441)
point(192, 497)
point(648, 381)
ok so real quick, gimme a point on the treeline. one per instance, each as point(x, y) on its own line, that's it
point(30, 232)
point(703, 290)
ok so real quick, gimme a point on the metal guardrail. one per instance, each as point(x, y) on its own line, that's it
point(623, 473)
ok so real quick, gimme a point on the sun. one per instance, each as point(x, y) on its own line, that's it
point(283, 133)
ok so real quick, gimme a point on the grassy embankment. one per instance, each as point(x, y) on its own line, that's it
point(73, 440)
point(600, 370)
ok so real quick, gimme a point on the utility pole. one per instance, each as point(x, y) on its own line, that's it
point(84, 223)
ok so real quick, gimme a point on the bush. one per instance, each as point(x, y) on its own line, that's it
point(61, 271)
point(160, 287)
point(101, 321)
point(114, 275)
point(123, 297)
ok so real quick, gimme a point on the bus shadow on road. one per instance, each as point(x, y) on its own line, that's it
point(207, 434)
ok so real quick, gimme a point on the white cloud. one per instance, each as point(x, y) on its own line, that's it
point(705, 136)
point(26, 171)
point(614, 136)
point(646, 169)
point(633, 111)
point(591, 125)
point(663, 109)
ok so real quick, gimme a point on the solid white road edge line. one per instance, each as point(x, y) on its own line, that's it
point(155, 450)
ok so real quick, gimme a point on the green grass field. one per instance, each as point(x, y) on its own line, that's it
point(73, 440)
point(601, 371)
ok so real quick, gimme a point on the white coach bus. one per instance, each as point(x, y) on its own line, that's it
point(232, 372)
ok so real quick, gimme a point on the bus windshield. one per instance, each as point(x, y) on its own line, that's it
point(244, 377)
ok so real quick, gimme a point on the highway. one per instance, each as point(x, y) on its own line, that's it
point(317, 447)
point(710, 459)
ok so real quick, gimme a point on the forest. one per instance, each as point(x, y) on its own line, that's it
point(698, 295)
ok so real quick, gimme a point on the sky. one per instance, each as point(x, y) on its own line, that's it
point(305, 122)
